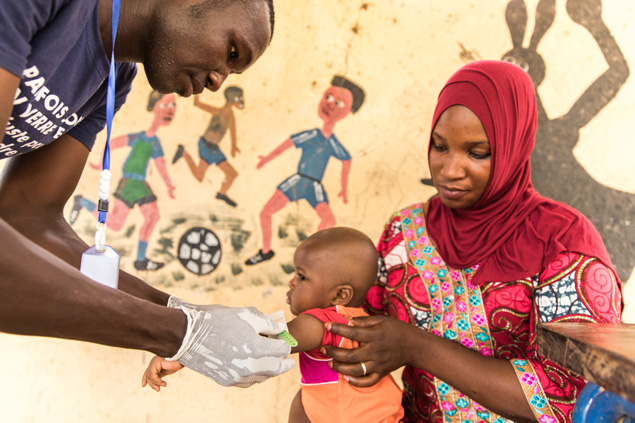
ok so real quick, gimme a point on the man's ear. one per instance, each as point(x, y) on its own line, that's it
point(343, 295)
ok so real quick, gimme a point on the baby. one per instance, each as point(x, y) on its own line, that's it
point(334, 269)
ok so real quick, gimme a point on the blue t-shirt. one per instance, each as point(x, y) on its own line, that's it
point(316, 152)
point(55, 47)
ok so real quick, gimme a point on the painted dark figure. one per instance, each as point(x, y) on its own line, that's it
point(555, 171)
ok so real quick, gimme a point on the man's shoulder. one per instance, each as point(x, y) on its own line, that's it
point(27, 24)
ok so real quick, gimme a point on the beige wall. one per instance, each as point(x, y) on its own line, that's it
point(401, 53)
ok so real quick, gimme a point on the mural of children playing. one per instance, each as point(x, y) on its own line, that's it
point(133, 188)
point(208, 150)
point(318, 146)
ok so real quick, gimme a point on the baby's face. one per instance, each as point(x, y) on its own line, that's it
point(311, 285)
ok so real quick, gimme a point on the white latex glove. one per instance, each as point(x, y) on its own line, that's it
point(224, 343)
point(176, 302)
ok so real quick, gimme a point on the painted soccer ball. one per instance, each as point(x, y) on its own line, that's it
point(199, 251)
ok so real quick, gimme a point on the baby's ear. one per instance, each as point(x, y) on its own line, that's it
point(343, 295)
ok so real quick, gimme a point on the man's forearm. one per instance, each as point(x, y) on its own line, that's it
point(45, 296)
point(60, 239)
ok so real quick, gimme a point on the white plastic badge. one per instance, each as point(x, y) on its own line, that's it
point(101, 266)
point(101, 262)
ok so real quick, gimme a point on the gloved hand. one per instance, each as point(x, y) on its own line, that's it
point(224, 343)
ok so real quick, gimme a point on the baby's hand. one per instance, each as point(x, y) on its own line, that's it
point(158, 368)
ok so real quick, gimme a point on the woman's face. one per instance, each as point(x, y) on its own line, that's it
point(460, 158)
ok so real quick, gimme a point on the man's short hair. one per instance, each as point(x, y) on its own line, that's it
point(356, 90)
point(197, 10)
point(232, 92)
point(272, 17)
point(152, 100)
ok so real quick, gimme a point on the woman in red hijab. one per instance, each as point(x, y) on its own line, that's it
point(472, 271)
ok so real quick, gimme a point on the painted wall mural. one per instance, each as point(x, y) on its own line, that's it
point(243, 231)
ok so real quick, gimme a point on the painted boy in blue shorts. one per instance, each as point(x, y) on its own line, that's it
point(318, 146)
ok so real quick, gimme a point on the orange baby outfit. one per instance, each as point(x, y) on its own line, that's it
point(328, 398)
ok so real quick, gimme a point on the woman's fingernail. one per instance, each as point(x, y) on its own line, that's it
point(323, 351)
point(346, 378)
point(327, 326)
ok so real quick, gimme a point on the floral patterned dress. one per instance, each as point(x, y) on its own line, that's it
point(496, 319)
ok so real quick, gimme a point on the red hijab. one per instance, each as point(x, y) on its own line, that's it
point(513, 231)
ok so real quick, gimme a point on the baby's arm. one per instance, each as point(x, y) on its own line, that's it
point(157, 368)
point(308, 331)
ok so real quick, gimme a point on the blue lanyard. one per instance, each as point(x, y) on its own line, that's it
point(110, 101)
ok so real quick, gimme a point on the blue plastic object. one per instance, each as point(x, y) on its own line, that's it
point(596, 405)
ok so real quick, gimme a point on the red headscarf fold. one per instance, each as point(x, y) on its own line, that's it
point(512, 230)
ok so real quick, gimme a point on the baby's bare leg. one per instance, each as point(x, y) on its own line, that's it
point(296, 413)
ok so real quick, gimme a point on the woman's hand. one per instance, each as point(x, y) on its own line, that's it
point(385, 346)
